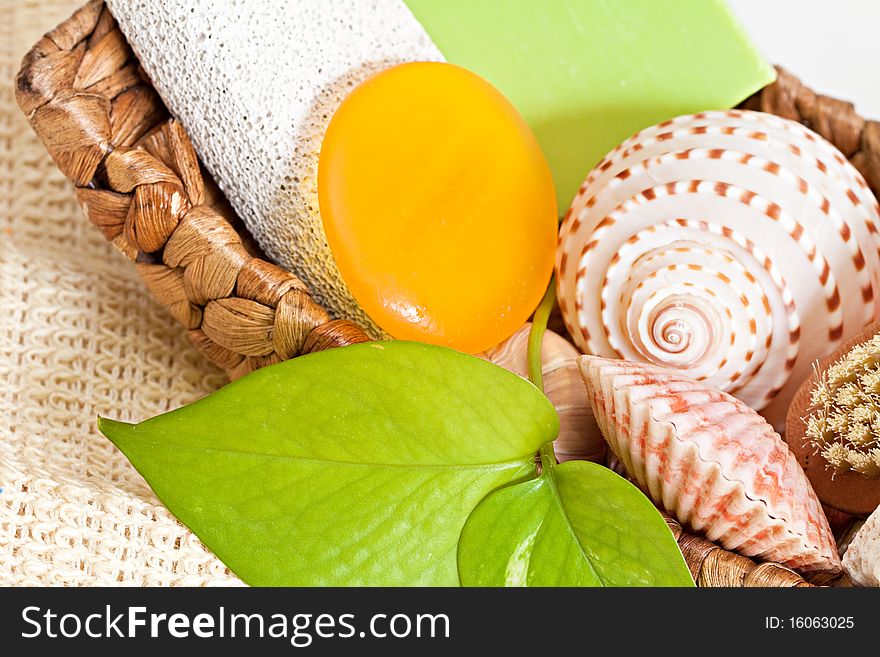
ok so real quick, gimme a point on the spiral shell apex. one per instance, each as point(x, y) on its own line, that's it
point(735, 247)
point(711, 461)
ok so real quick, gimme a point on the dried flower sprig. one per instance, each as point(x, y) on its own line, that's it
point(844, 421)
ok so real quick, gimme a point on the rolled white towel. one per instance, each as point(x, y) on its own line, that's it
point(255, 83)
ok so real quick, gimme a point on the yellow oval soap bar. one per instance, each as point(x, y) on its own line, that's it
point(438, 206)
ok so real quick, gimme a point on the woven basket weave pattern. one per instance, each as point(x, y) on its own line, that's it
point(138, 180)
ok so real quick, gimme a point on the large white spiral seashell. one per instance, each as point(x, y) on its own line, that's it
point(735, 247)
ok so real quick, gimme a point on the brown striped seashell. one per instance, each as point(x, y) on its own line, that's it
point(735, 247)
point(711, 461)
point(579, 435)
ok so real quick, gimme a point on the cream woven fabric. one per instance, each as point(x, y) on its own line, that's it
point(78, 337)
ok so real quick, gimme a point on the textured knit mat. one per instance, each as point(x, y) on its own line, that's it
point(79, 337)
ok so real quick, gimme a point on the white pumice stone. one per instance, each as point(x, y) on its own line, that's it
point(255, 83)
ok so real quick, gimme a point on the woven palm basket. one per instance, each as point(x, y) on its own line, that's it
point(80, 337)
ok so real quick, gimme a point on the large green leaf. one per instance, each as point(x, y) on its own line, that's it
point(577, 524)
point(354, 466)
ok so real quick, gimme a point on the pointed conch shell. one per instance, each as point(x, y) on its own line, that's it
point(711, 461)
point(579, 435)
point(736, 247)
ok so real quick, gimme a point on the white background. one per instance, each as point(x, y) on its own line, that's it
point(832, 45)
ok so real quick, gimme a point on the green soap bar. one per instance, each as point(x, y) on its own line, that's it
point(586, 74)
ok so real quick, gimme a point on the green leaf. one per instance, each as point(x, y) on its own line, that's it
point(354, 466)
point(577, 524)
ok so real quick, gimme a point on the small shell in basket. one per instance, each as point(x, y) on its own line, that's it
point(579, 435)
point(710, 461)
point(862, 558)
point(735, 247)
